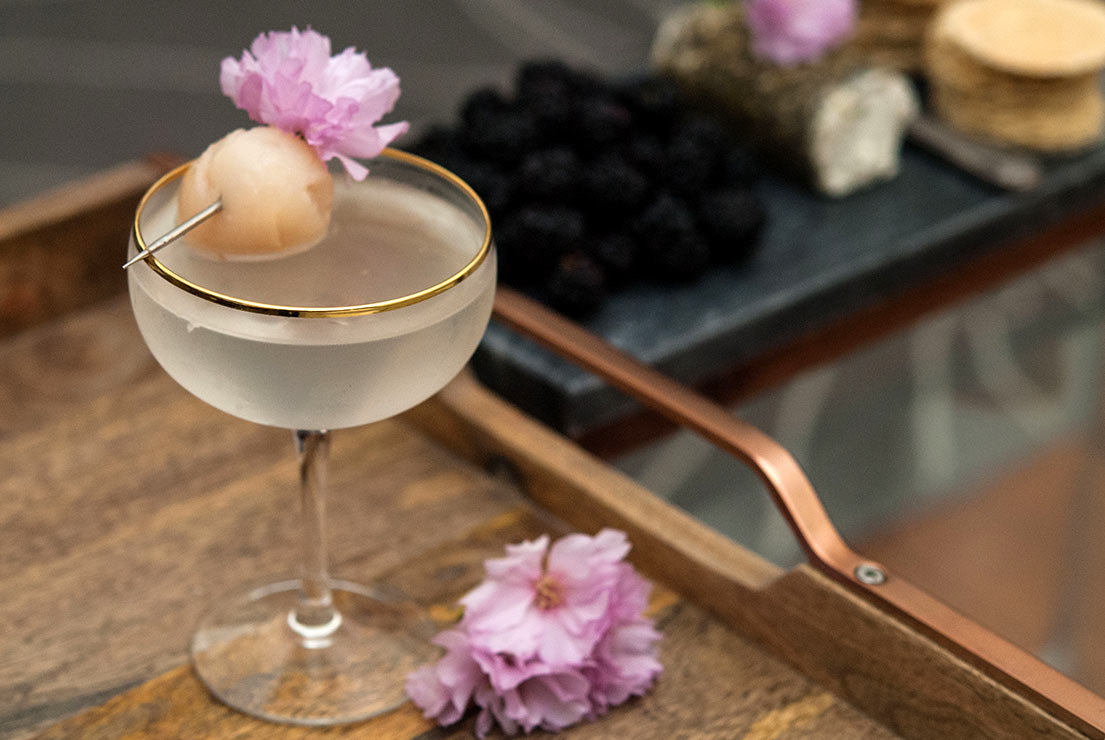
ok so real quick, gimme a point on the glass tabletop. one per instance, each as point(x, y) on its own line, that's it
point(963, 452)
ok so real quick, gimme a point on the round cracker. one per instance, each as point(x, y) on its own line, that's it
point(950, 65)
point(1046, 130)
point(1036, 38)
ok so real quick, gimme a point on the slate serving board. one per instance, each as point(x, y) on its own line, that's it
point(819, 261)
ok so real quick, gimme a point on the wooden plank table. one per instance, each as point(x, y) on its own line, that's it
point(127, 507)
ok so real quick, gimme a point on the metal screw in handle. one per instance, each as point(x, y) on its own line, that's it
point(870, 575)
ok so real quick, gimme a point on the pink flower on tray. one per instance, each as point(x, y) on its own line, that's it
point(554, 611)
point(551, 637)
point(290, 81)
point(790, 32)
point(544, 696)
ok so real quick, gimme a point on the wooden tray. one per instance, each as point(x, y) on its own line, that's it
point(127, 507)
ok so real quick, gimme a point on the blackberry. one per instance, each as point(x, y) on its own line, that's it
point(545, 89)
point(617, 252)
point(577, 285)
point(654, 101)
point(455, 160)
point(739, 167)
point(689, 169)
point(533, 238)
point(593, 184)
point(550, 175)
point(612, 187)
point(539, 75)
point(694, 154)
point(481, 105)
point(600, 121)
point(732, 219)
point(586, 83)
point(493, 185)
point(552, 113)
point(503, 138)
point(437, 143)
point(703, 133)
point(647, 153)
point(672, 249)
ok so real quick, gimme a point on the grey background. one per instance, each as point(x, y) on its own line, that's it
point(86, 84)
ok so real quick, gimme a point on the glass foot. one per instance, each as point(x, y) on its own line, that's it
point(250, 657)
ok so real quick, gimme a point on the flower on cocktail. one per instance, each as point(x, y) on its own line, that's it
point(552, 636)
point(266, 191)
point(290, 81)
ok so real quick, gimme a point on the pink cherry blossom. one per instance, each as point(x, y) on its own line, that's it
point(289, 80)
point(550, 701)
point(625, 664)
point(554, 611)
point(549, 698)
point(551, 637)
point(444, 689)
point(789, 32)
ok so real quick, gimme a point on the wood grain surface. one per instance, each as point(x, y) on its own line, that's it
point(62, 250)
point(128, 507)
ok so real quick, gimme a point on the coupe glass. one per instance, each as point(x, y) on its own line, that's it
point(373, 320)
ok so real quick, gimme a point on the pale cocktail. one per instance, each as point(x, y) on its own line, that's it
point(364, 325)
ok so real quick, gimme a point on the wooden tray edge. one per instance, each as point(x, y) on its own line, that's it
point(879, 664)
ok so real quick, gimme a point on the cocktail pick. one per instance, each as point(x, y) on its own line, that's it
point(175, 233)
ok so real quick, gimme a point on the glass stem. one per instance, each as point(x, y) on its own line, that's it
point(314, 616)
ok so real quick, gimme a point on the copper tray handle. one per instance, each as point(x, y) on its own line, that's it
point(796, 499)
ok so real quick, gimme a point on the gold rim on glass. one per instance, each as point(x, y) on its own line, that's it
point(323, 311)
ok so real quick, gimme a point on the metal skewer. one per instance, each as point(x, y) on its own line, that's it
point(175, 233)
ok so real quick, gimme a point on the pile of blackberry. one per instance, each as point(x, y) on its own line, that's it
point(593, 184)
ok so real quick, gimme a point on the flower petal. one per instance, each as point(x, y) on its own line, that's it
point(522, 561)
point(789, 32)
point(553, 702)
point(495, 606)
point(571, 551)
point(427, 692)
point(289, 80)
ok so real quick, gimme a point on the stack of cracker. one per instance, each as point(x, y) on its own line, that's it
point(892, 32)
point(1020, 72)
